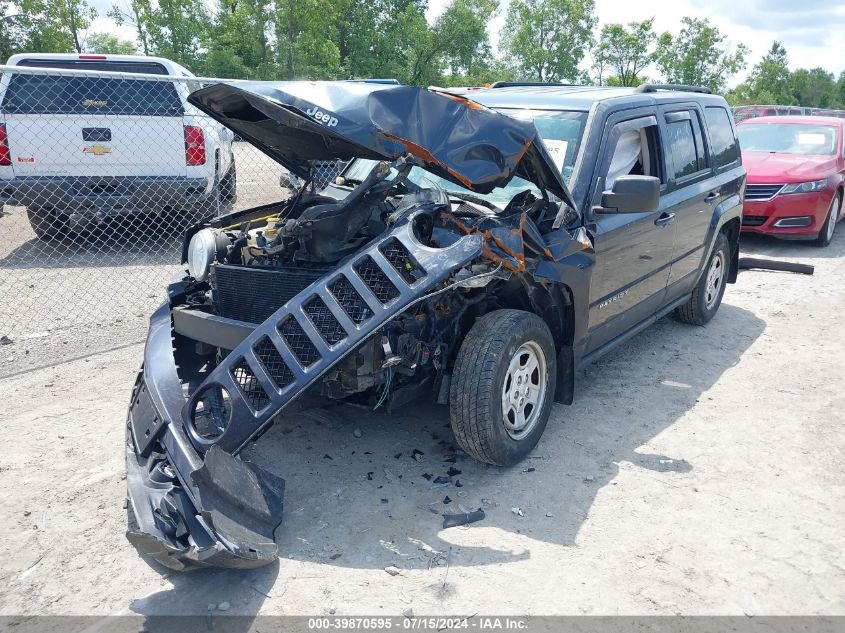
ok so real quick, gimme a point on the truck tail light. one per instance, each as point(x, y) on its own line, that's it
point(5, 154)
point(194, 145)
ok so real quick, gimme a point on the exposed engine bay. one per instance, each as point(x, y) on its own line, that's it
point(303, 238)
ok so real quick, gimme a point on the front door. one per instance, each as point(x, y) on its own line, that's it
point(633, 250)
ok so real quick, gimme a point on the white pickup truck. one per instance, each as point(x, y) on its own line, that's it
point(78, 149)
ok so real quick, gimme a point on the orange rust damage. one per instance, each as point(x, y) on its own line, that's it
point(490, 237)
point(420, 152)
point(469, 103)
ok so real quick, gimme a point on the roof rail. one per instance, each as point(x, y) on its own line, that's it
point(678, 87)
point(534, 84)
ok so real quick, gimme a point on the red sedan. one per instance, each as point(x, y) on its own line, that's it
point(796, 169)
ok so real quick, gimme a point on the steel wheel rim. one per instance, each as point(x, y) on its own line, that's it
point(831, 219)
point(715, 276)
point(524, 390)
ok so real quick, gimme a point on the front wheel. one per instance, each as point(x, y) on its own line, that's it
point(829, 228)
point(503, 386)
point(708, 292)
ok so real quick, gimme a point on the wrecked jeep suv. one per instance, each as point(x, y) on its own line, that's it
point(449, 259)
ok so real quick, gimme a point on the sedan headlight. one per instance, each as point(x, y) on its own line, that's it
point(202, 250)
point(805, 187)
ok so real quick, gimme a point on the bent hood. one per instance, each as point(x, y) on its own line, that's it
point(294, 122)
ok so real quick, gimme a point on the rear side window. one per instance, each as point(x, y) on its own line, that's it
point(53, 94)
point(722, 139)
point(685, 144)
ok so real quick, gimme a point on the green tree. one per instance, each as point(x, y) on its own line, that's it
point(74, 16)
point(137, 14)
point(238, 44)
point(107, 44)
point(813, 88)
point(546, 39)
point(624, 52)
point(698, 55)
point(306, 38)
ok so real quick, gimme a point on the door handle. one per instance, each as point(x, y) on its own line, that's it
point(665, 219)
point(711, 196)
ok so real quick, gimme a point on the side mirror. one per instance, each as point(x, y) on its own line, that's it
point(631, 194)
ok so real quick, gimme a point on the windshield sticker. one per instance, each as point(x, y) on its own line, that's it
point(94, 103)
point(812, 138)
point(557, 150)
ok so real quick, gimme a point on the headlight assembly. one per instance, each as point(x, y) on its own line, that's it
point(804, 187)
point(202, 250)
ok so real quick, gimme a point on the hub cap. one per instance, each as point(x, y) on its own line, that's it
point(715, 276)
point(831, 218)
point(524, 390)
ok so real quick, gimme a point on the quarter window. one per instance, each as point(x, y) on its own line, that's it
point(722, 139)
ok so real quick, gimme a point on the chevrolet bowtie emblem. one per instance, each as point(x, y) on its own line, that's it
point(97, 150)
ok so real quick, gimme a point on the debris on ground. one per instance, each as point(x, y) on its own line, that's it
point(528, 470)
point(370, 476)
point(447, 500)
point(427, 476)
point(223, 606)
point(392, 570)
point(589, 478)
point(5, 340)
point(389, 474)
point(442, 480)
point(397, 456)
point(357, 433)
point(327, 456)
point(408, 613)
point(458, 484)
point(455, 520)
point(417, 455)
point(453, 471)
point(383, 500)
point(549, 515)
point(335, 556)
point(517, 511)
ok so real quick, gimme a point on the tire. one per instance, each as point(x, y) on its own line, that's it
point(830, 220)
point(489, 360)
point(229, 185)
point(707, 297)
point(46, 224)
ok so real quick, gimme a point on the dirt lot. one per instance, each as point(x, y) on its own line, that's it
point(699, 472)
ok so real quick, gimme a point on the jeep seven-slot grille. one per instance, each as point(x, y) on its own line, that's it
point(252, 294)
point(349, 299)
point(376, 280)
point(246, 380)
point(273, 364)
point(328, 326)
point(298, 341)
point(401, 260)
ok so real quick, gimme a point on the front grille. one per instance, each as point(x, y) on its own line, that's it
point(753, 220)
point(349, 299)
point(756, 193)
point(275, 367)
point(252, 294)
point(401, 260)
point(376, 280)
point(298, 342)
point(246, 380)
point(324, 321)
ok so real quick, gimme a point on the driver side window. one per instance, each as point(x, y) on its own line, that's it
point(632, 150)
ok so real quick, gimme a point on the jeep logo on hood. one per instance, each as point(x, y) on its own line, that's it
point(323, 117)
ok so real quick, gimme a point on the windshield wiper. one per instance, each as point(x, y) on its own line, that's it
point(468, 197)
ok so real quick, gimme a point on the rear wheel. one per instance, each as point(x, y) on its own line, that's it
point(503, 386)
point(829, 227)
point(708, 292)
point(229, 185)
point(46, 223)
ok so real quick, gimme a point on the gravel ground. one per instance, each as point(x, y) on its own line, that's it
point(696, 473)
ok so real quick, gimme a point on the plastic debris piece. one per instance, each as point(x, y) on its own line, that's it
point(518, 511)
point(454, 471)
point(442, 480)
point(447, 500)
point(454, 520)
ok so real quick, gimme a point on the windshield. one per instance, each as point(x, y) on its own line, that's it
point(561, 133)
point(787, 138)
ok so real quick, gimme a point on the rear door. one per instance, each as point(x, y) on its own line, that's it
point(93, 126)
point(633, 250)
point(692, 192)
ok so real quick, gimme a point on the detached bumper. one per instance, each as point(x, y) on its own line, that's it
point(186, 510)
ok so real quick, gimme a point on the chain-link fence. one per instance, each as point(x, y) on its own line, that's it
point(100, 173)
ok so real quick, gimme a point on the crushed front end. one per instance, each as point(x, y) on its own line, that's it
point(358, 293)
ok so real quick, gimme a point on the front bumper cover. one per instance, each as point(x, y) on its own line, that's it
point(185, 510)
